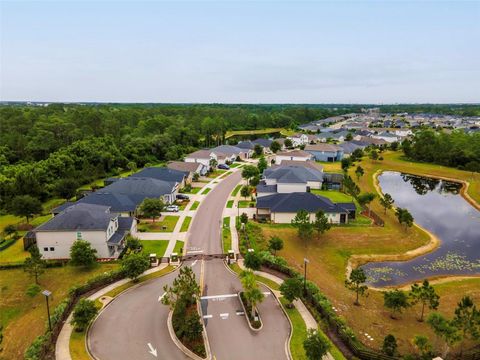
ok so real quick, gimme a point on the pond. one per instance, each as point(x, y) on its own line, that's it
point(437, 206)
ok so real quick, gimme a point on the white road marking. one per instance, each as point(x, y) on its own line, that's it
point(194, 251)
point(266, 293)
point(224, 316)
point(152, 350)
point(161, 297)
point(194, 263)
point(207, 316)
point(218, 296)
point(240, 313)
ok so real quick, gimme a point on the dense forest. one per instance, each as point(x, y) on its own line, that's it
point(40, 147)
point(457, 149)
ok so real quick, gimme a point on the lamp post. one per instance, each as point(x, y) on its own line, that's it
point(47, 295)
point(305, 262)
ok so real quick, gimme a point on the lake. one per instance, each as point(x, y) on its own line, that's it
point(437, 206)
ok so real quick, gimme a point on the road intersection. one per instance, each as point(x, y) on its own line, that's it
point(134, 325)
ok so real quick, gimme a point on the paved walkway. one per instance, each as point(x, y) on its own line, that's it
point(62, 346)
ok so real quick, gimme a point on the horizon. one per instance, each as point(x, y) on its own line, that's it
point(240, 53)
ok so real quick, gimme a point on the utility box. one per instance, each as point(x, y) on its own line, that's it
point(153, 260)
point(174, 259)
point(231, 257)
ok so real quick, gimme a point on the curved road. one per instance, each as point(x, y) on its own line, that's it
point(134, 326)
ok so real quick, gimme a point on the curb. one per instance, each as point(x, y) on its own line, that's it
point(246, 315)
point(179, 344)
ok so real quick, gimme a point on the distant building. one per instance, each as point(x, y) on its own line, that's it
point(325, 152)
point(296, 155)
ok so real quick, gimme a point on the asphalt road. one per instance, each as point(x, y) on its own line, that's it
point(134, 325)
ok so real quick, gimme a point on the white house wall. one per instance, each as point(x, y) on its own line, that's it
point(291, 188)
point(286, 218)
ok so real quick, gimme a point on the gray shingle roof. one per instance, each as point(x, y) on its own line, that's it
point(80, 217)
point(162, 173)
point(293, 174)
point(263, 142)
point(245, 145)
point(293, 202)
point(228, 150)
point(147, 186)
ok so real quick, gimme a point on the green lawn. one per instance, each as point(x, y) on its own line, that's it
point(154, 247)
point(236, 190)
point(186, 224)
point(193, 190)
point(216, 173)
point(178, 246)
point(334, 195)
point(299, 332)
point(229, 204)
point(182, 204)
point(14, 253)
point(246, 204)
point(169, 221)
point(234, 165)
point(39, 220)
point(205, 191)
point(195, 205)
point(226, 235)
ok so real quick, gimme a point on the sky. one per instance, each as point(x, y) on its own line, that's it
point(240, 52)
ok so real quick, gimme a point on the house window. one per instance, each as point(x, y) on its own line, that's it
point(45, 249)
point(52, 249)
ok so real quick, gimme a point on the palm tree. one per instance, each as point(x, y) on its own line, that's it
point(252, 293)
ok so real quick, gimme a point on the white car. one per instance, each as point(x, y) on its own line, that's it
point(172, 208)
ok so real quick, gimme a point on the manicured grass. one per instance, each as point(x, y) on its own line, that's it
point(195, 205)
point(9, 220)
point(49, 205)
point(169, 221)
point(216, 173)
point(226, 235)
point(299, 332)
point(205, 191)
point(335, 167)
point(182, 204)
point(39, 220)
point(14, 253)
point(231, 133)
point(77, 346)
point(178, 246)
point(154, 247)
point(333, 195)
point(194, 190)
point(129, 284)
point(245, 204)
point(234, 165)
point(229, 204)
point(236, 190)
point(186, 224)
point(24, 318)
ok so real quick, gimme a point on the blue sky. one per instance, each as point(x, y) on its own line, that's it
point(240, 52)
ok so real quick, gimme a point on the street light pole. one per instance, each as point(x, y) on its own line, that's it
point(47, 295)
point(305, 262)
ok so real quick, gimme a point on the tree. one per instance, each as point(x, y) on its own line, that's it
point(359, 172)
point(304, 227)
point(275, 146)
point(133, 244)
point(350, 187)
point(386, 201)
point(183, 287)
point(245, 192)
point(213, 163)
point(357, 154)
point(135, 264)
point(258, 149)
point(244, 218)
point(315, 345)
point(249, 171)
point(365, 199)
point(445, 330)
point(195, 176)
point(83, 314)
point(9, 230)
point(349, 137)
point(275, 244)
point(373, 155)
point(321, 223)
point(389, 346)
point(262, 164)
point(396, 301)
point(404, 217)
point(346, 163)
point(425, 295)
point(291, 290)
point(356, 282)
point(252, 260)
point(82, 254)
point(423, 346)
point(34, 265)
point(151, 208)
point(288, 143)
point(132, 166)
point(467, 319)
point(25, 206)
point(252, 293)
point(66, 188)
point(254, 181)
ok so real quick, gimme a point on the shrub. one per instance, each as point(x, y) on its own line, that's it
point(83, 314)
point(34, 351)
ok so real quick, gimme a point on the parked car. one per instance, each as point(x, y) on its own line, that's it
point(182, 197)
point(172, 208)
point(224, 167)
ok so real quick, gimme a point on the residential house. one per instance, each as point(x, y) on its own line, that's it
point(104, 230)
point(387, 136)
point(202, 157)
point(298, 139)
point(231, 153)
point(297, 155)
point(288, 179)
point(325, 152)
point(282, 208)
point(164, 174)
point(191, 168)
point(265, 143)
point(372, 141)
point(349, 147)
